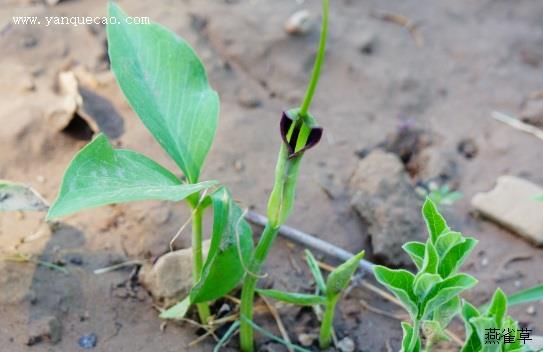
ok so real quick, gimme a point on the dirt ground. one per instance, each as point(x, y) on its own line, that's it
point(466, 59)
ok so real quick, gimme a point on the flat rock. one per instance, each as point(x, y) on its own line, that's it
point(387, 202)
point(170, 278)
point(512, 205)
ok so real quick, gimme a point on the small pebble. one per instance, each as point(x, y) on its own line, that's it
point(76, 260)
point(238, 165)
point(88, 341)
point(368, 42)
point(346, 345)
point(298, 23)
point(307, 339)
point(530, 310)
point(484, 261)
point(248, 100)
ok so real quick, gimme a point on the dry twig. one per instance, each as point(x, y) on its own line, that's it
point(517, 124)
point(275, 314)
point(403, 21)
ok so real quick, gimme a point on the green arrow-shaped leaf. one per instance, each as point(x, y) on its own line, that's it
point(100, 175)
point(166, 84)
point(231, 238)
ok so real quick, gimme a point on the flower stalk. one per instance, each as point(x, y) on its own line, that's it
point(299, 133)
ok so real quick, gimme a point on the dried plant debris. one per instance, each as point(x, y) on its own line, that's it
point(16, 196)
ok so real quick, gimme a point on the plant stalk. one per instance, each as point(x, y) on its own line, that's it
point(325, 337)
point(415, 335)
point(319, 59)
point(248, 290)
point(280, 202)
point(198, 262)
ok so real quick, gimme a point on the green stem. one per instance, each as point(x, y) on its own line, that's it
point(198, 262)
point(429, 346)
point(415, 335)
point(248, 290)
point(325, 337)
point(318, 62)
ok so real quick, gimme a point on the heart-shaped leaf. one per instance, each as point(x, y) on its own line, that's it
point(400, 283)
point(229, 252)
point(416, 252)
point(301, 299)
point(100, 175)
point(166, 84)
point(455, 257)
point(340, 277)
point(434, 221)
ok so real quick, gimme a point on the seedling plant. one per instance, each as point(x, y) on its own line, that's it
point(166, 84)
point(327, 292)
point(431, 296)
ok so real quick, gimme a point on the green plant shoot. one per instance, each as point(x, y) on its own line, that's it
point(328, 294)
point(431, 296)
point(166, 84)
point(299, 132)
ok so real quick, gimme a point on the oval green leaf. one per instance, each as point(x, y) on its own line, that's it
point(434, 220)
point(400, 282)
point(166, 84)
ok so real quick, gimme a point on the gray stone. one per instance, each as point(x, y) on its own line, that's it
point(532, 112)
point(387, 202)
point(47, 329)
point(346, 344)
point(512, 205)
point(298, 23)
point(170, 278)
point(436, 165)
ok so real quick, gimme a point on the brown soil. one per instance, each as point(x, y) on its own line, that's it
point(476, 57)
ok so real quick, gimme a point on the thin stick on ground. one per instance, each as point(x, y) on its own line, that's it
point(375, 310)
point(227, 336)
point(278, 321)
point(403, 21)
point(117, 266)
point(309, 241)
point(518, 124)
